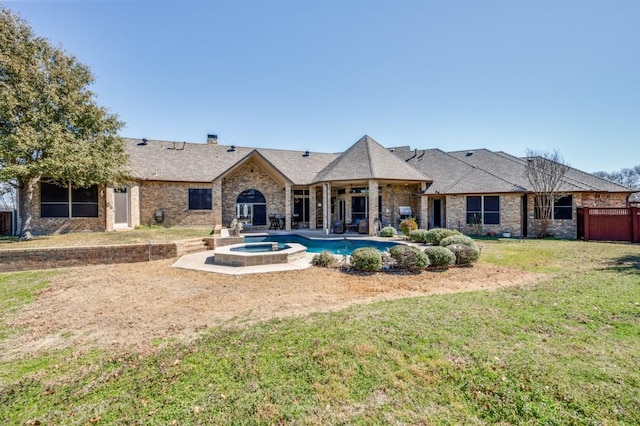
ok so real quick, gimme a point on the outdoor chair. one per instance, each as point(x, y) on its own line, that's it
point(274, 222)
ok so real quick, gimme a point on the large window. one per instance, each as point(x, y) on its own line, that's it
point(483, 210)
point(58, 201)
point(562, 208)
point(199, 199)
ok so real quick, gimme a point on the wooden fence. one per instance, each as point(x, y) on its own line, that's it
point(609, 224)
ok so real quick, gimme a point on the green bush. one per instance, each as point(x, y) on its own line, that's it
point(419, 235)
point(458, 239)
point(366, 259)
point(435, 235)
point(409, 258)
point(440, 256)
point(464, 254)
point(408, 225)
point(388, 231)
point(324, 259)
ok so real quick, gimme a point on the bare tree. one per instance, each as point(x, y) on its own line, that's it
point(545, 171)
point(627, 177)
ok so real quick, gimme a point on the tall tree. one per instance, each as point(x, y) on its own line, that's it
point(545, 171)
point(51, 128)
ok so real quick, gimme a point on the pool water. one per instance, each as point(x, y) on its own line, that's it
point(318, 245)
point(260, 248)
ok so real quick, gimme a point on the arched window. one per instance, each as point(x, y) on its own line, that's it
point(251, 208)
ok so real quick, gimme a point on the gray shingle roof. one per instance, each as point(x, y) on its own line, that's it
point(367, 159)
point(195, 162)
point(484, 171)
point(458, 172)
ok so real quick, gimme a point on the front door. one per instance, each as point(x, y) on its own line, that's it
point(121, 207)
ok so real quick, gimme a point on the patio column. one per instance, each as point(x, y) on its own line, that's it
point(109, 211)
point(134, 205)
point(373, 206)
point(313, 202)
point(424, 208)
point(216, 201)
point(326, 207)
point(287, 206)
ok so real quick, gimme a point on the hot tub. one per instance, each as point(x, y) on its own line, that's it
point(253, 254)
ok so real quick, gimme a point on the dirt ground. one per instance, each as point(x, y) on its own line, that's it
point(129, 306)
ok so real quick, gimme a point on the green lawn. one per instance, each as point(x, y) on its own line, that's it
point(142, 234)
point(566, 351)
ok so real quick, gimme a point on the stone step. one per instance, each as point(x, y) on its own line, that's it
point(193, 246)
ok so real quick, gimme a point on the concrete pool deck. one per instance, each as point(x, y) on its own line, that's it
point(203, 261)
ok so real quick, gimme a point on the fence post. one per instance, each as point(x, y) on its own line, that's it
point(585, 219)
point(635, 224)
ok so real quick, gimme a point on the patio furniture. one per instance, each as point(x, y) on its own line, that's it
point(350, 226)
point(363, 226)
point(274, 222)
point(338, 227)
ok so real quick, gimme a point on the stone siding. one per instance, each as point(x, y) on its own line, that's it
point(510, 215)
point(54, 225)
point(173, 199)
point(251, 176)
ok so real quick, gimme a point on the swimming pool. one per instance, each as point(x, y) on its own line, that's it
point(318, 245)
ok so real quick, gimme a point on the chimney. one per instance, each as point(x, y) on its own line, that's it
point(212, 139)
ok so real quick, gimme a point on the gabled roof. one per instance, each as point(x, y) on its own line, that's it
point(180, 161)
point(367, 159)
point(195, 162)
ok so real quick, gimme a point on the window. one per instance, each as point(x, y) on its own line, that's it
point(84, 202)
point(492, 210)
point(58, 201)
point(199, 199)
point(562, 208)
point(474, 210)
point(359, 207)
point(483, 210)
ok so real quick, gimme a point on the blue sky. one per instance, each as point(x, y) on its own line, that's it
point(317, 75)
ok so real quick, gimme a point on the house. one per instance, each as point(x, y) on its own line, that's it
point(191, 184)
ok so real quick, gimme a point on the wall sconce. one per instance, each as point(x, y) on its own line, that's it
point(158, 215)
point(319, 204)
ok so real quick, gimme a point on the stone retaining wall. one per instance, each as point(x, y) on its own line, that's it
point(47, 258)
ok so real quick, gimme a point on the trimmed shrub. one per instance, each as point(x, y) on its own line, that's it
point(388, 231)
point(324, 259)
point(408, 225)
point(409, 258)
point(366, 259)
point(465, 255)
point(419, 235)
point(458, 239)
point(440, 256)
point(435, 235)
